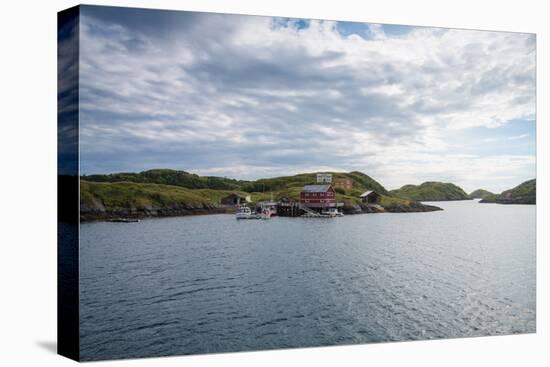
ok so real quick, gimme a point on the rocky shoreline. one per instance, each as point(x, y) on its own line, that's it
point(519, 200)
point(98, 212)
point(414, 207)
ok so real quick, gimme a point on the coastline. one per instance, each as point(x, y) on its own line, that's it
point(95, 214)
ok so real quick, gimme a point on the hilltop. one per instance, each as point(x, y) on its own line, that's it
point(480, 194)
point(524, 193)
point(193, 181)
point(170, 177)
point(431, 191)
point(165, 192)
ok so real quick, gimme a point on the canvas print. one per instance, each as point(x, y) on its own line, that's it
point(238, 183)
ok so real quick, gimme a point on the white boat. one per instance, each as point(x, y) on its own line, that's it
point(332, 212)
point(244, 212)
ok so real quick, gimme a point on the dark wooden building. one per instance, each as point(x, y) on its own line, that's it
point(234, 199)
point(370, 197)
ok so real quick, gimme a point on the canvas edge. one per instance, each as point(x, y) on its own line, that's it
point(68, 330)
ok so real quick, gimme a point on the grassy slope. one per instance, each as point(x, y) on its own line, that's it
point(431, 191)
point(524, 193)
point(524, 189)
point(144, 195)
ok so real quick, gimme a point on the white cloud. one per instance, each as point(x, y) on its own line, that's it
point(506, 138)
point(212, 91)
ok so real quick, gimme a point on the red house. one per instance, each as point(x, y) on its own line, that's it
point(318, 196)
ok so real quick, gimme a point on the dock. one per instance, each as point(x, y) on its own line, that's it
point(292, 209)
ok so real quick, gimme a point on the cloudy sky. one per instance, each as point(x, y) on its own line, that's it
point(249, 97)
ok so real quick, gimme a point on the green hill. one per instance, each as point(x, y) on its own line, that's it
point(480, 194)
point(431, 191)
point(524, 193)
point(285, 185)
point(361, 182)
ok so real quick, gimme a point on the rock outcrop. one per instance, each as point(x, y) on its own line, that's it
point(99, 212)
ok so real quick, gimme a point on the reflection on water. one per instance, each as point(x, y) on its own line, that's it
point(213, 284)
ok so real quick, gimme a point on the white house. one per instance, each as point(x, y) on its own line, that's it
point(324, 178)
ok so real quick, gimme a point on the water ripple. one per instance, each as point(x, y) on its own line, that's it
point(209, 284)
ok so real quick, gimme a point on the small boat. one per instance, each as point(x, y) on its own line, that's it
point(332, 212)
point(244, 212)
point(123, 220)
point(266, 213)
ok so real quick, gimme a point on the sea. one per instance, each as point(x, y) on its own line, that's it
point(213, 284)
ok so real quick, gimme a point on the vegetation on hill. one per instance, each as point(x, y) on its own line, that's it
point(170, 177)
point(480, 194)
point(431, 191)
point(524, 193)
point(192, 181)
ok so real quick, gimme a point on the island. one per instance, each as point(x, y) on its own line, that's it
point(431, 191)
point(167, 192)
point(524, 193)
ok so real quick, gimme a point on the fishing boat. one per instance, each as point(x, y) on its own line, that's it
point(327, 213)
point(244, 212)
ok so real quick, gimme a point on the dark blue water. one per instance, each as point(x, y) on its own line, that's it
point(214, 284)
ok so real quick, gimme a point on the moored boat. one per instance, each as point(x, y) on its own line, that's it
point(244, 212)
point(332, 212)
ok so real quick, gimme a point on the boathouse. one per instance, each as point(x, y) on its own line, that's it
point(370, 197)
point(318, 196)
point(235, 199)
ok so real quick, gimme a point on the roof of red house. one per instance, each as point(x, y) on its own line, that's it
point(316, 188)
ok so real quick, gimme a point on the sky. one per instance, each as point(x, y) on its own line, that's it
point(249, 97)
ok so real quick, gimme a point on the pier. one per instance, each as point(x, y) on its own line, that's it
point(292, 209)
